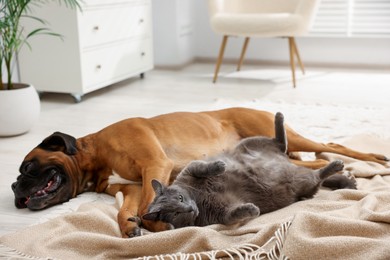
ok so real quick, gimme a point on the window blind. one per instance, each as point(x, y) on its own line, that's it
point(352, 18)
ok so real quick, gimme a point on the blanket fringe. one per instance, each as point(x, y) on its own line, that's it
point(10, 253)
point(242, 252)
point(271, 250)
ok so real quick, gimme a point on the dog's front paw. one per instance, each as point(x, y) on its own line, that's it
point(170, 226)
point(133, 230)
point(156, 226)
point(129, 225)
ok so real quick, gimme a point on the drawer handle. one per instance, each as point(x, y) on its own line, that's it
point(98, 67)
point(96, 28)
point(141, 20)
point(143, 53)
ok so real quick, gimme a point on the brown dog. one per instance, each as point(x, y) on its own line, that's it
point(139, 150)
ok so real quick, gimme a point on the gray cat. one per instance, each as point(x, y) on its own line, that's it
point(236, 186)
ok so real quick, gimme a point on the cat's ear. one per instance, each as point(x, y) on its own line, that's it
point(280, 132)
point(151, 216)
point(157, 186)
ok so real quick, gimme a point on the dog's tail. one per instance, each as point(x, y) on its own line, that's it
point(119, 198)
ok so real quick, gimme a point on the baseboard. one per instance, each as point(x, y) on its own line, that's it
point(271, 63)
point(175, 66)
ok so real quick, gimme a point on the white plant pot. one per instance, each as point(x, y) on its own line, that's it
point(19, 110)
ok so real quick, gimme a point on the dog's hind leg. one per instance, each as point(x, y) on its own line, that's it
point(298, 143)
point(316, 164)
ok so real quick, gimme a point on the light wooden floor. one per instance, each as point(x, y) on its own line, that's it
point(190, 89)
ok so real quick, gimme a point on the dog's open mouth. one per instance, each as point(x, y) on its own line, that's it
point(45, 193)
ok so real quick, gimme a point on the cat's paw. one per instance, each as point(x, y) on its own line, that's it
point(350, 181)
point(243, 213)
point(217, 167)
point(336, 166)
point(340, 181)
point(331, 168)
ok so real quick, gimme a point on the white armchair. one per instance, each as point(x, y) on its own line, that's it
point(261, 18)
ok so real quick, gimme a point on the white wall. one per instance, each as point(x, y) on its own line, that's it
point(201, 42)
point(173, 28)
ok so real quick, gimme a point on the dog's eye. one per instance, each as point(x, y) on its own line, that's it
point(53, 171)
point(181, 199)
point(27, 167)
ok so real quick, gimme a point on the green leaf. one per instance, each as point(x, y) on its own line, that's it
point(12, 35)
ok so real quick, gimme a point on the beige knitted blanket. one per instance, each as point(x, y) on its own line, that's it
point(343, 224)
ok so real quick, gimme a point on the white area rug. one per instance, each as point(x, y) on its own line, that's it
point(324, 123)
point(342, 224)
point(321, 123)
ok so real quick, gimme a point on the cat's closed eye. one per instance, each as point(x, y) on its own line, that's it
point(181, 199)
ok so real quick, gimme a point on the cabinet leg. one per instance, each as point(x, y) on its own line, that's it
point(142, 75)
point(76, 97)
point(40, 93)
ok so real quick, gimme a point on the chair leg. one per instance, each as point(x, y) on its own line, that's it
point(292, 63)
point(220, 57)
point(297, 55)
point(243, 53)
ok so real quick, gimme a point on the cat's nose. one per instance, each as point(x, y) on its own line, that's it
point(189, 209)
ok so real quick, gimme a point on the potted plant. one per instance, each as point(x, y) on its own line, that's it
point(19, 102)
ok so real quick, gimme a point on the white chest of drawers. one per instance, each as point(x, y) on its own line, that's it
point(108, 41)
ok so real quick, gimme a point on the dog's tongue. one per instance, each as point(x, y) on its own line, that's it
point(51, 185)
point(27, 200)
point(44, 190)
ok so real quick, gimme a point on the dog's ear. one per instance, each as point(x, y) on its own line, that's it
point(59, 142)
point(151, 216)
point(158, 187)
point(280, 132)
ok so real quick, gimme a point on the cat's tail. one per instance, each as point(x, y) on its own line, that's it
point(331, 169)
point(280, 132)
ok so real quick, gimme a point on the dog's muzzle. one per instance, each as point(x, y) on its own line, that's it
point(42, 191)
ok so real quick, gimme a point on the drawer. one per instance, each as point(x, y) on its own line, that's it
point(110, 64)
point(89, 3)
point(99, 26)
